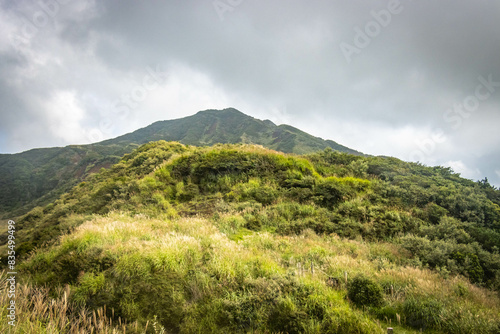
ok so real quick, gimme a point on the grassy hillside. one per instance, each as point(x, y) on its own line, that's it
point(243, 239)
point(38, 177)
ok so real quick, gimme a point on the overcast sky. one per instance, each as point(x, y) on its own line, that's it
point(418, 80)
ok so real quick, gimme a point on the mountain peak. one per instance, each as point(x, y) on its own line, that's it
point(221, 112)
point(230, 126)
point(205, 128)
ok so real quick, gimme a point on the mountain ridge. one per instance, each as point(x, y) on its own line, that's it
point(283, 137)
point(38, 176)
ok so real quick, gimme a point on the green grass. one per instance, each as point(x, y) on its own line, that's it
point(195, 278)
point(239, 238)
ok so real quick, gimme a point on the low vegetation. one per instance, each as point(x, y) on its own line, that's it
point(38, 177)
point(239, 238)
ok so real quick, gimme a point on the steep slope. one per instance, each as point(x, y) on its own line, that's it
point(230, 126)
point(242, 239)
point(39, 176)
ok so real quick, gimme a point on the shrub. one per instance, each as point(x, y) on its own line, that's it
point(423, 313)
point(363, 291)
point(186, 192)
point(34, 215)
point(253, 190)
point(331, 192)
point(470, 264)
point(287, 317)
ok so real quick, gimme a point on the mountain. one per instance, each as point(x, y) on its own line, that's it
point(236, 238)
point(39, 176)
point(229, 126)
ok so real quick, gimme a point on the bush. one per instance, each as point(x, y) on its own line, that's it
point(253, 190)
point(363, 291)
point(34, 215)
point(287, 317)
point(423, 313)
point(330, 192)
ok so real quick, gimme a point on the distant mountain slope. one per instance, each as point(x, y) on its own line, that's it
point(230, 126)
point(39, 176)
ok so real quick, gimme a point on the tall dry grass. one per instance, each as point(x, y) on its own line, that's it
point(38, 312)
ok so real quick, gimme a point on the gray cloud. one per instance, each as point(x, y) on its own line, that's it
point(270, 59)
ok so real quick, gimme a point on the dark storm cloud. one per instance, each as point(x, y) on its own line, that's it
point(275, 59)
